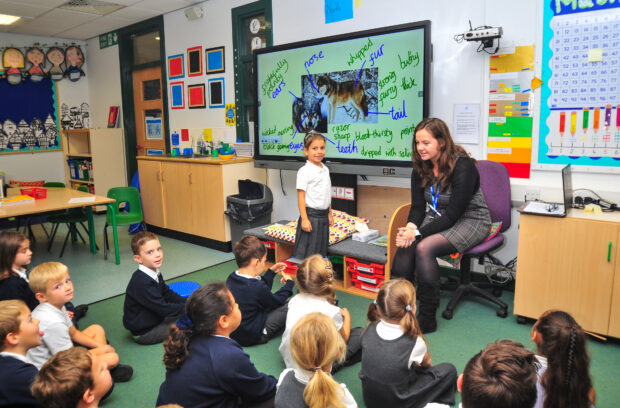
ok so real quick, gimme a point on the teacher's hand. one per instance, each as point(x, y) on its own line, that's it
point(405, 237)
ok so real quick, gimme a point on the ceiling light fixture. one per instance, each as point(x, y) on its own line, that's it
point(6, 19)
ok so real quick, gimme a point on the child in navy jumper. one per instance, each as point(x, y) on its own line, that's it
point(19, 331)
point(263, 312)
point(204, 366)
point(150, 305)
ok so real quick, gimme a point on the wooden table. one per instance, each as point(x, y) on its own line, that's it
point(58, 199)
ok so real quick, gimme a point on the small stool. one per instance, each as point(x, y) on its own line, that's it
point(184, 288)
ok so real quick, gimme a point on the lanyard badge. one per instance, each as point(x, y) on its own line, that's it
point(434, 199)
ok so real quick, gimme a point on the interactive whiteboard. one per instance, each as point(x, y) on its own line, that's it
point(365, 91)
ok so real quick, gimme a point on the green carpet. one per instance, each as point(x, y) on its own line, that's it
point(473, 326)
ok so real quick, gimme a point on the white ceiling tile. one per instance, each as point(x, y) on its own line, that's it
point(46, 3)
point(65, 19)
point(134, 13)
point(125, 2)
point(112, 22)
point(42, 31)
point(162, 6)
point(20, 9)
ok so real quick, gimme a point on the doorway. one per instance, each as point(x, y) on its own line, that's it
point(148, 111)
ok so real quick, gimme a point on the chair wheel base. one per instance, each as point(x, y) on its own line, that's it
point(521, 320)
point(447, 314)
point(503, 313)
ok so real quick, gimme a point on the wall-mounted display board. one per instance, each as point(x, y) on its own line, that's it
point(580, 120)
point(28, 117)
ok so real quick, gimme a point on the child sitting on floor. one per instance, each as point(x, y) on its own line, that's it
point(396, 366)
point(564, 375)
point(19, 332)
point(204, 366)
point(150, 305)
point(72, 378)
point(52, 286)
point(263, 313)
point(501, 375)
point(315, 345)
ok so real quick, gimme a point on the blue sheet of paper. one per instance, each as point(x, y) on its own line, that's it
point(338, 10)
point(175, 139)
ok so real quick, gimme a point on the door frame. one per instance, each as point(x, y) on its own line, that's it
point(125, 54)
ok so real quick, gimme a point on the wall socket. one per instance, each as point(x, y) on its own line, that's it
point(532, 195)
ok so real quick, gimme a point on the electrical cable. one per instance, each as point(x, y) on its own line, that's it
point(281, 183)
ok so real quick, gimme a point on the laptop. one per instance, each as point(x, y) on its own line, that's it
point(553, 209)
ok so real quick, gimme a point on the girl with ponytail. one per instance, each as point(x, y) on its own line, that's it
point(396, 365)
point(564, 376)
point(315, 279)
point(315, 345)
point(204, 366)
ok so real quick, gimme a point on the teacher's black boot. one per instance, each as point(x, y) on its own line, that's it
point(427, 311)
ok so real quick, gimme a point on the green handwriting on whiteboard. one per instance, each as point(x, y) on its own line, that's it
point(275, 77)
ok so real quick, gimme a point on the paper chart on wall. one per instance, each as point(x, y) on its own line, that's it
point(580, 120)
point(510, 109)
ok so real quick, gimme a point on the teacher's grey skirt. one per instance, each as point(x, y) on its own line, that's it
point(315, 241)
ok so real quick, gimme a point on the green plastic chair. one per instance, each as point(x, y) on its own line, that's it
point(72, 217)
point(128, 195)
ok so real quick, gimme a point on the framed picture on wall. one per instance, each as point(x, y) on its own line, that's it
point(216, 92)
point(215, 60)
point(177, 95)
point(194, 61)
point(196, 96)
point(176, 67)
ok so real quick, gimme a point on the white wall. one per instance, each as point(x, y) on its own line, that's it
point(104, 82)
point(47, 166)
point(214, 29)
point(459, 75)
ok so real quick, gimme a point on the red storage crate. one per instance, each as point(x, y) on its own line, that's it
point(370, 279)
point(291, 267)
point(269, 244)
point(35, 192)
point(366, 286)
point(368, 268)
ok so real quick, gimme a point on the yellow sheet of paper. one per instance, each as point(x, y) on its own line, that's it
point(207, 135)
point(522, 59)
point(358, 3)
point(595, 55)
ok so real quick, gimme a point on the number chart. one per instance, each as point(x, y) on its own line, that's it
point(580, 123)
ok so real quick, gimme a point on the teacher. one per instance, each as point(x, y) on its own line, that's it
point(448, 213)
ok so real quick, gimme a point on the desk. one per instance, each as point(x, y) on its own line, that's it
point(571, 264)
point(58, 199)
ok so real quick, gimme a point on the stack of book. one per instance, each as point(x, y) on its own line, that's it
point(20, 199)
point(245, 149)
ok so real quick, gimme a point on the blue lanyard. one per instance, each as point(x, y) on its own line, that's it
point(434, 199)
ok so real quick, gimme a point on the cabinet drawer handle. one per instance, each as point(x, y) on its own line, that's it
point(190, 178)
point(609, 252)
point(157, 177)
point(162, 175)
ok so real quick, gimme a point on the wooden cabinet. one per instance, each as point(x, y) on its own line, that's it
point(151, 191)
point(189, 195)
point(571, 264)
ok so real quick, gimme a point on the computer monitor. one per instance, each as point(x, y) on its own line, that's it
point(567, 186)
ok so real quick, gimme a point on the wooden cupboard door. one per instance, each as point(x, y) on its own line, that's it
point(208, 210)
point(151, 192)
point(562, 264)
point(614, 318)
point(177, 196)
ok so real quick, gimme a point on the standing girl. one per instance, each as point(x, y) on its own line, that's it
point(15, 255)
point(315, 279)
point(396, 365)
point(315, 345)
point(564, 376)
point(204, 366)
point(314, 200)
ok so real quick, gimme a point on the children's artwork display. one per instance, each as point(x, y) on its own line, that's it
point(177, 95)
point(75, 117)
point(580, 120)
point(176, 67)
point(28, 117)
